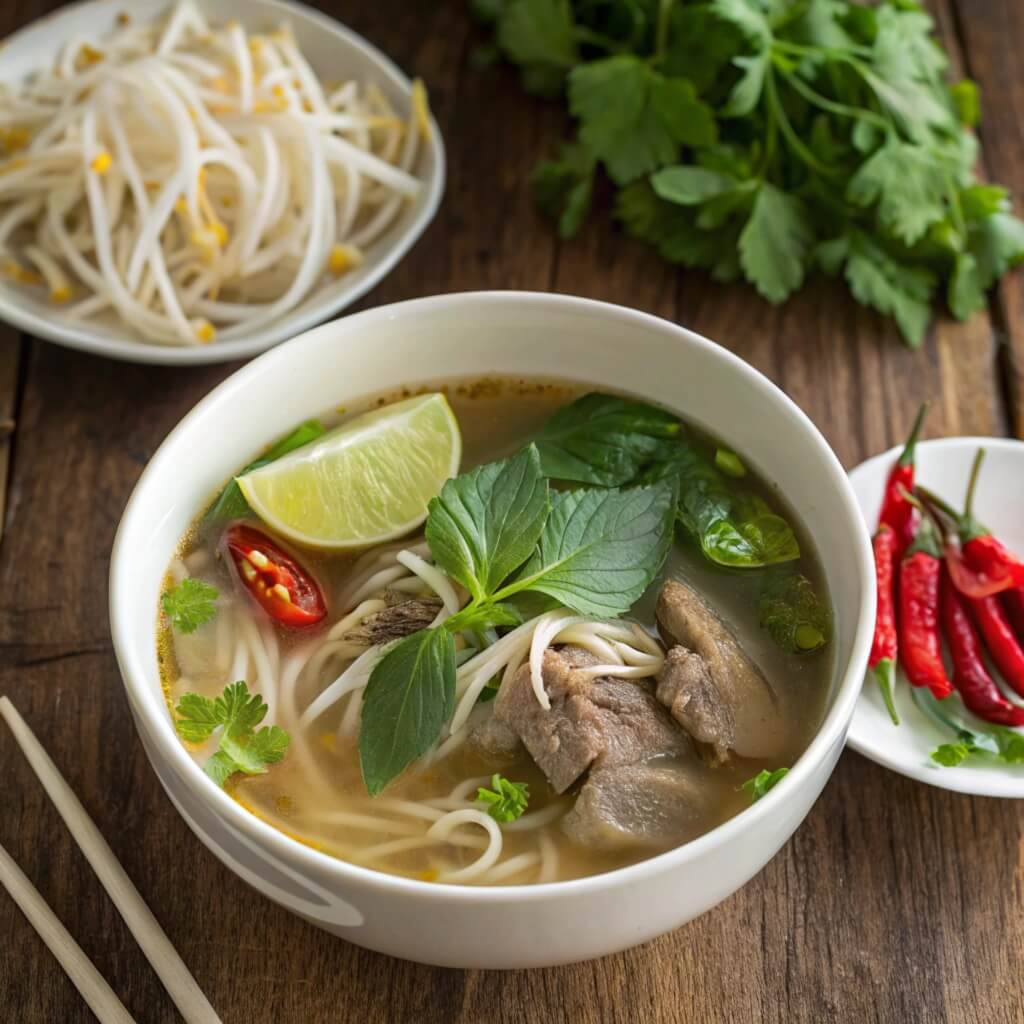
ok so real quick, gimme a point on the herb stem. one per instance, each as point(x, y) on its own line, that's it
point(842, 109)
point(779, 114)
point(588, 35)
point(661, 36)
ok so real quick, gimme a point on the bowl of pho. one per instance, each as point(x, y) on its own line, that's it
point(191, 181)
point(496, 629)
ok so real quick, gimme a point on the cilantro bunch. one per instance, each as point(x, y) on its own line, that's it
point(769, 138)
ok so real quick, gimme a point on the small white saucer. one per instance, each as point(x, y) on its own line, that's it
point(942, 466)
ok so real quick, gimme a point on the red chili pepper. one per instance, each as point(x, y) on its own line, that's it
point(970, 676)
point(1002, 644)
point(897, 512)
point(884, 646)
point(276, 581)
point(978, 563)
point(920, 646)
point(1014, 602)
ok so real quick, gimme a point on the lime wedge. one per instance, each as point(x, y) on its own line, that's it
point(364, 482)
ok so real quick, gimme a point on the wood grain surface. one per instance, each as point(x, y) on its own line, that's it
point(894, 902)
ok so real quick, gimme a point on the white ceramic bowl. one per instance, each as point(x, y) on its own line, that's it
point(334, 52)
point(506, 334)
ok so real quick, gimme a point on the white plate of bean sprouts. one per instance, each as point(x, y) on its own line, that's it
point(191, 181)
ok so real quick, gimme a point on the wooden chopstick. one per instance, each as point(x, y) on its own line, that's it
point(78, 967)
point(162, 955)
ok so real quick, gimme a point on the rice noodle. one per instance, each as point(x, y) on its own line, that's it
point(196, 180)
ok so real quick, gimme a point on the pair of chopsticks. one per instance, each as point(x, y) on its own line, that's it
point(170, 968)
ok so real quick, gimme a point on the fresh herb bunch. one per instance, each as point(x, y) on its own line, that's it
point(766, 138)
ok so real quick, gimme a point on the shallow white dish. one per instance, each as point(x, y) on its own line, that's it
point(943, 466)
point(333, 51)
point(507, 334)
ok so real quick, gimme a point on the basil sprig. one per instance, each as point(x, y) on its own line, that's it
point(497, 531)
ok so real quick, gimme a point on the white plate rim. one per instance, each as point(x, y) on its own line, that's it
point(124, 350)
point(973, 780)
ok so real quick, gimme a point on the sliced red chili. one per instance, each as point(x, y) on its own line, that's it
point(979, 564)
point(276, 581)
point(920, 646)
point(884, 645)
point(970, 675)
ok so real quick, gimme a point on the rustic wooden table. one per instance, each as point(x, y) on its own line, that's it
point(894, 902)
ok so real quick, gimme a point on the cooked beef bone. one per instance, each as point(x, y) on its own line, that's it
point(592, 723)
point(395, 621)
point(685, 619)
point(653, 804)
point(686, 688)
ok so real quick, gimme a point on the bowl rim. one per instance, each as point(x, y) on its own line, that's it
point(159, 728)
point(84, 339)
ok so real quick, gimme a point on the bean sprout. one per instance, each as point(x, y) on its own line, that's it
point(194, 179)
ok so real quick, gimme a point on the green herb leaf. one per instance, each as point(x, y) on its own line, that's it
point(538, 32)
point(190, 604)
point(562, 188)
point(966, 102)
point(895, 289)
point(794, 616)
point(410, 695)
point(910, 184)
point(601, 549)
point(505, 800)
point(763, 781)
point(733, 528)
point(235, 713)
point(823, 118)
point(231, 503)
point(730, 463)
point(991, 742)
point(690, 186)
point(775, 244)
point(604, 440)
point(634, 119)
point(485, 523)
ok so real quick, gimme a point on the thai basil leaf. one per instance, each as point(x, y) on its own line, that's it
point(734, 528)
point(485, 523)
point(601, 549)
point(795, 617)
point(604, 440)
point(410, 695)
point(231, 503)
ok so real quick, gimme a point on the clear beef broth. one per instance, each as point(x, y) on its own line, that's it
point(316, 792)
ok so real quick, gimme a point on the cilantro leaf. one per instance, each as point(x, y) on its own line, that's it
point(600, 549)
point(690, 185)
point(563, 188)
point(909, 182)
point(241, 747)
point(997, 742)
point(633, 118)
point(190, 604)
point(748, 16)
point(485, 523)
point(895, 289)
point(775, 244)
point(829, 119)
point(506, 801)
point(763, 781)
point(410, 695)
point(538, 32)
point(603, 439)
